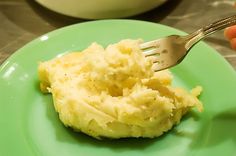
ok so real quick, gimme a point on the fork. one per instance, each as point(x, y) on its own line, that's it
point(171, 50)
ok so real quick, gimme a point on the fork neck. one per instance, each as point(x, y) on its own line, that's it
point(195, 37)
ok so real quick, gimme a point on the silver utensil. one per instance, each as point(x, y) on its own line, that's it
point(171, 50)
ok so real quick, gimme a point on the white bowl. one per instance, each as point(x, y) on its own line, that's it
point(99, 9)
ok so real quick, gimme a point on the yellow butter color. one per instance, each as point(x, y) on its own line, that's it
point(114, 92)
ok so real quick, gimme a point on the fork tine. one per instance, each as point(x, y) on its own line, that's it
point(151, 52)
point(156, 60)
point(156, 67)
point(150, 44)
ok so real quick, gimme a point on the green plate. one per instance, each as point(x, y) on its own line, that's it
point(30, 126)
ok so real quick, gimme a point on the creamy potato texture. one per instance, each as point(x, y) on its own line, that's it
point(113, 92)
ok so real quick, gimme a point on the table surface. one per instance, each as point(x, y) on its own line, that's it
point(23, 20)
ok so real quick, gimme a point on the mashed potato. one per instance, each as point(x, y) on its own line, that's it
point(114, 92)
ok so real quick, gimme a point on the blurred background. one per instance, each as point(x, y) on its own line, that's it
point(24, 20)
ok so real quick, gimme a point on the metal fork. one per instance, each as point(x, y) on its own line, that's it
point(171, 50)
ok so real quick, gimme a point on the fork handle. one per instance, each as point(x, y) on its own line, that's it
point(198, 35)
